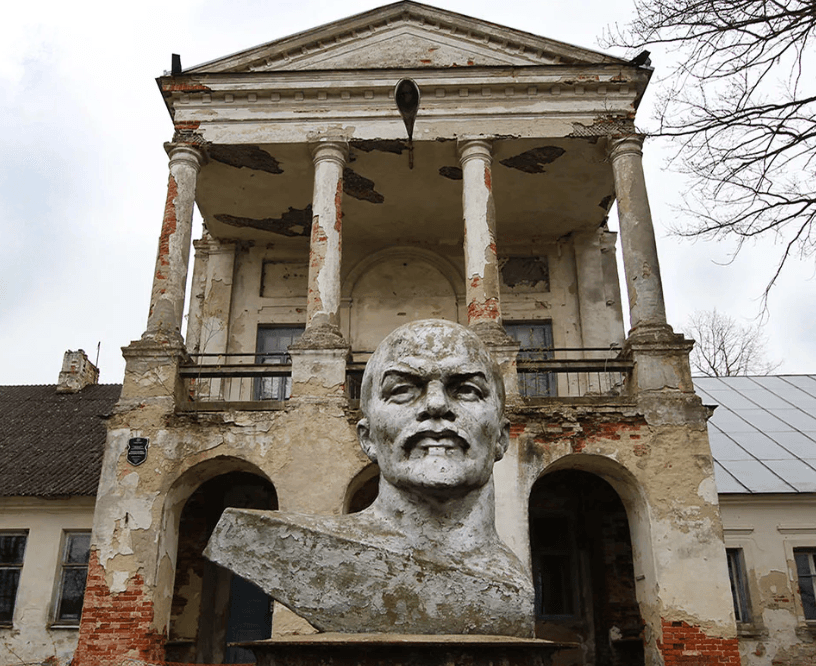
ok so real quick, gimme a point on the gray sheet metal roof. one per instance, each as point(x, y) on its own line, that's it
point(763, 432)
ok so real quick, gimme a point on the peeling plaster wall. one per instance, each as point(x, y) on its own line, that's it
point(767, 528)
point(664, 476)
point(309, 453)
point(31, 639)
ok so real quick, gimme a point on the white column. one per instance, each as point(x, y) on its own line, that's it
point(646, 305)
point(170, 276)
point(325, 248)
point(481, 263)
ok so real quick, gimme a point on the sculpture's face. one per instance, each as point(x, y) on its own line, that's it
point(433, 407)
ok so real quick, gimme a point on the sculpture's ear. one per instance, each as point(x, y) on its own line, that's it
point(364, 435)
point(504, 440)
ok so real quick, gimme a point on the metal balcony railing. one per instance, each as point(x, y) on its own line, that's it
point(240, 381)
point(572, 372)
point(264, 381)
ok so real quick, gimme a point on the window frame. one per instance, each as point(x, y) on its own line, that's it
point(277, 388)
point(14, 566)
point(59, 583)
point(738, 579)
point(810, 553)
point(531, 382)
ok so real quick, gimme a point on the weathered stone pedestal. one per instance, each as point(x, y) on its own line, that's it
point(335, 649)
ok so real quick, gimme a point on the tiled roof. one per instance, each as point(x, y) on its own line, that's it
point(763, 432)
point(51, 443)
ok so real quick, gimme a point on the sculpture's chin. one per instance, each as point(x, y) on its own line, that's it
point(439, 470)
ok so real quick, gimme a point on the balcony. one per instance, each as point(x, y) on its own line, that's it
point(216, 382)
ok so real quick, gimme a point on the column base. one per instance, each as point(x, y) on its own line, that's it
point(151, 367)
point(661, 359)
point(492, 333)
point(319, 364)
point(321, 336)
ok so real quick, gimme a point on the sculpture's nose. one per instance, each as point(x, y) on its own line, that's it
point(436, 404)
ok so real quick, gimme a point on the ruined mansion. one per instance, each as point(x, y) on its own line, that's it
point(408, 163)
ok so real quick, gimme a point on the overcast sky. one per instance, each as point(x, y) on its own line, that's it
point(83, 172)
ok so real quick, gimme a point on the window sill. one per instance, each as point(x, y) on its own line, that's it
point(63, 625)
point(750, 630)
point(806, 631)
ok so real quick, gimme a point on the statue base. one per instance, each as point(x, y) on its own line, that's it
point(335, 649)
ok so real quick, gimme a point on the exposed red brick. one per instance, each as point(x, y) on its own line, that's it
point(485, 310)
point(684, 644)
point(516, 429)
point(189, 125)
point(488, 178)
point(116, 625)
point(168, 226)
point(177, 86)
point(338, 206)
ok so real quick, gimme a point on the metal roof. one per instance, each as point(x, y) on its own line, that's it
point(763, 432)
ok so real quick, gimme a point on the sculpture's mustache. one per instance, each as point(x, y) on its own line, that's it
point(415, 439)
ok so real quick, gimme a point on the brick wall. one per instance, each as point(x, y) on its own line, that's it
point(685, 645)
point(116, 625)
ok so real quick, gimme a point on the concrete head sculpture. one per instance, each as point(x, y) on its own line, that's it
point(425, 558)
point(433, 401)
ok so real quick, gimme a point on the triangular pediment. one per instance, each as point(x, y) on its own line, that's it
point(404, 35)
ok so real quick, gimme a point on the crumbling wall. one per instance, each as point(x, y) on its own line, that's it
point(31, 638)
point(662, 469)
point(308, 452)
point(767, 528)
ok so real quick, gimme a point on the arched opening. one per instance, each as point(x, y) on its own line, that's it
point(212, 607)
point(362, 490)
point(583, 569)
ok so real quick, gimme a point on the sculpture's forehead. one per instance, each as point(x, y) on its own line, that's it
point(434, 344)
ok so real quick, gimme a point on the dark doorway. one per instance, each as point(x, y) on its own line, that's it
point(583, 571)
point(212, 607)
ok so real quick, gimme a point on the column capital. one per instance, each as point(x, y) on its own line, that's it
point(186, 153)
point(335, 150)
point(625, 144)
point(474, 148)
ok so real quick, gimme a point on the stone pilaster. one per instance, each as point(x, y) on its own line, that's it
point(170, 275)
point(646, 305)
point(601, 323)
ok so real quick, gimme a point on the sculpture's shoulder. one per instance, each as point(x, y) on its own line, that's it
point(344, 572)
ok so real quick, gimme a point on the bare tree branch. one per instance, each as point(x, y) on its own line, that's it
point(741, 108)
point(724, 348)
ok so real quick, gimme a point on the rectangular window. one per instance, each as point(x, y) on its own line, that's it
point(272, 348)
point(536, 342)
point(739, 586)
point(806, 571)
point(12, 551)
point(76, 548)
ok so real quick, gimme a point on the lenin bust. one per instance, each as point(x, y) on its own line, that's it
point(425, 557)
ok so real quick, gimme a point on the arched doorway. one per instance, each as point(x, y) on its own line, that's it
point(363, 490)
point(211, 606)
point(583, 569)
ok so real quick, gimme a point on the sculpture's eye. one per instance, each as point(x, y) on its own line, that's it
point(468, 391)
point(400, 391)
